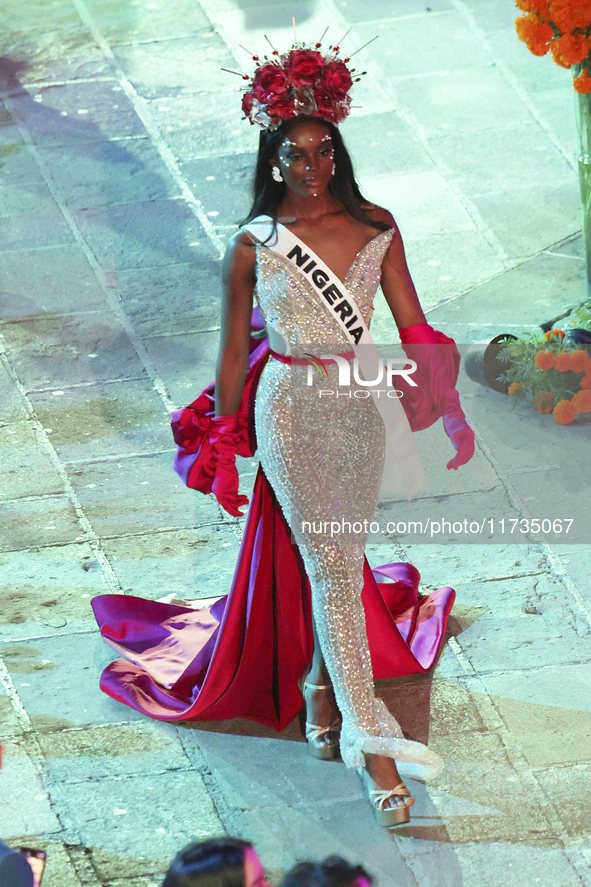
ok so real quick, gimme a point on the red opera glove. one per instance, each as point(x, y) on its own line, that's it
point(439, 369)
point(461, 436)
point(223, 437)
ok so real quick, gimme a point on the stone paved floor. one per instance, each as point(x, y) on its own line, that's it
point(125, 167)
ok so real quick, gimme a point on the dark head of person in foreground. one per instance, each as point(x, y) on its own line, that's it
point(334, 871)
point(217, 862)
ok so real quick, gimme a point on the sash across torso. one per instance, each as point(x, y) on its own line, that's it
point(405, 471)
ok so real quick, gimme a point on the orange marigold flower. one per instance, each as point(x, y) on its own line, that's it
point(554, 335)
point(564, 412)
point(569, 14)
point(586, 380)
point(543, 402)
point(539, 6)
point(515, 388)
point(534, 33)
point(570, 49)
point(582, 83)
point(544, 360)
point(562, 362)
point(582, 401)
point(579, 361)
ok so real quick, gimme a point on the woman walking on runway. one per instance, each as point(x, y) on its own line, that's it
point(313, 253)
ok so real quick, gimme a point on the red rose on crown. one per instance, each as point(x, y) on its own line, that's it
point(247, 104)
point(269, 83)
point(281, 108)
point(328, 108)
point(304, 67)
point(336, 79)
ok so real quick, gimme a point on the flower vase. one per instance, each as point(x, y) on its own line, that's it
point(583, 116)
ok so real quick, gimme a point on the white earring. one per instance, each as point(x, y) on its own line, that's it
point(334, 169)
point(276, 173)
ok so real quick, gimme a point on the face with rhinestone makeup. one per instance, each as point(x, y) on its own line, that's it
point(306, 158)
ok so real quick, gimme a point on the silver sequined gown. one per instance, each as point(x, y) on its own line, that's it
point(325, 462)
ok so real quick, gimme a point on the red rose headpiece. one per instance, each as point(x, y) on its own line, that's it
point(301, 81)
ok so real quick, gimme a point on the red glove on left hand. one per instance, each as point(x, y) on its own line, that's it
point(461, 436)
point(223, 437)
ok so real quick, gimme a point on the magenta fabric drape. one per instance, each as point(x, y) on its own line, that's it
point(243, 656)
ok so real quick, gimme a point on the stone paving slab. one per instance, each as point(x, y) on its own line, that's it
point(203, 124)
point(95, 421)
point(224, 185)
point(33, 522)
point(117, 751)
point(143, 837)
point(136, 23)
point(172, 300)
point(509, 434)
point(111, 172)
point(133, 235)
point(195, 60)
point(443, 264)
point(139, 494)
point(552, 708)
point(46, 669)
point(531, 219)
point(477, 770)
point(447, 45)
point(57, 352)
point(26, 806)
point(30, 217)
point(470, 140)
point(61, 115)
point(185, 362)
point(28, 278)
point(576, 560)
point(21, 446)
point(48, 588)
point(18, 164)
point(52, 44)
point(479, 163)
point(12, 407)
point(549, 281)
point(487, 100)
point(430, 705)
point(481, 862)
point(576, 780)
point(159, 564)
point(11, 726)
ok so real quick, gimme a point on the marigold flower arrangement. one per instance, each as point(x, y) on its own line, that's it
point(563, 28)
point(550, 374)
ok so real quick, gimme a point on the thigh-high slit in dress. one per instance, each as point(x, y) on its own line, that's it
point(243, 655)
point(324, 459)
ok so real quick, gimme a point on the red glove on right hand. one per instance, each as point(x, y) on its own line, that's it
point(223, 437)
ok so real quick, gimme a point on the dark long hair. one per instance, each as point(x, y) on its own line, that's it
point(268, 194)
point(217, 862)
point(334, 871)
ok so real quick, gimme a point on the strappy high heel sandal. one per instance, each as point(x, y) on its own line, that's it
point(387, 816)
point(323, 742)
